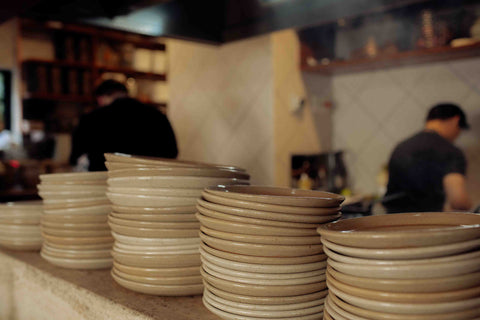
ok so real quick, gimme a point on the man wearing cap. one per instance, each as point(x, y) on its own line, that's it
point(426, 171)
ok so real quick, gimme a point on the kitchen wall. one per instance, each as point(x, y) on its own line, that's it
point(375, 110)
point(221, 104)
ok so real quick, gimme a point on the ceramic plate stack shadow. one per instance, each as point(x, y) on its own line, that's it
point(153, 221)
point(20, 225)
point(261, 255)
point(403, 266)
point(74, 221)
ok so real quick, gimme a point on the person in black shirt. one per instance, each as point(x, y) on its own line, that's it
point(121, 124)
point(426, 171)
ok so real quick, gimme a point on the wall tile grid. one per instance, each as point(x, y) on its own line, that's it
point(373, 111)
point(221, 104)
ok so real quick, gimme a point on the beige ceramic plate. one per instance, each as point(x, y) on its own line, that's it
point(157, 251)
point(153, 232)
point(157, 261)
point(262, 250)
point(34, 205)
point(159, 225)
point(264, 307)
point(138, 248)
point(405, 308)
point(275, 302)
point(158, 210)
point(25, 221)
point(269, 207)
point(21, 245)
point(181, 171)
point(158, 272)
point(76, 233)
point(166, 192)
point(260, 239)
point(79, 263)
point(284, 270)
point(368, 314)
point(253, 221)
point(176, 281)
point(149, 201)
point(270, 314)
point(279, 196)
point(403, 230)
point(102, 209)
point(262, 290)
point(76, 240)
point(71, 188)
point(263, 260)
point(428, 285)
point(76, 254)
point(260, 276)
point(81, 247)
point(60, 195)
point(422, 271)
point(181, 217)
point(404, 253)
point(252, 229)
point(160, 290)
point(75, 203)
point(230, 316)
point(75, 226)
point(74, 176)
point(172, 182)
point(153, 241)
point(76, 218)
point(406, 297)
point(156, 161)
point(337, 313)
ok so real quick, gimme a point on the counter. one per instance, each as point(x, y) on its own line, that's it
point(32, 288)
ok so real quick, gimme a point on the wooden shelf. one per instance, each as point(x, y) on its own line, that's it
point(396, 60)
point(133, 73)
point(59, 97)
point(59, 63)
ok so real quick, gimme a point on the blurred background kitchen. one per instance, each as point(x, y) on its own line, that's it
point(301, 93)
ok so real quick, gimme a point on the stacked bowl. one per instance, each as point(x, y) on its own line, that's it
point(20, 225)
point(74, 221)
point(153, 221)
point(261, 256)
point(422, 266)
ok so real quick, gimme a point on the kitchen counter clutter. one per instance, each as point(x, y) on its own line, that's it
point(32, 288)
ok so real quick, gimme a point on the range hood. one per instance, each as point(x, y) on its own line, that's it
point(213, 21)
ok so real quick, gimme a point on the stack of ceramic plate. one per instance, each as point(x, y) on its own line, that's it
point(261, 255)
point(404, 266)
point(153, 221)
point(74, 224)
point(20, 225)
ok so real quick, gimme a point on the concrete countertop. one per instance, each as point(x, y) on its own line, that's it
point(32, 287)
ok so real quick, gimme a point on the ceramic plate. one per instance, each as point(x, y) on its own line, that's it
point(172, 182)
point(441, 284)
point(279, 196)
point(403, 230)
point(21, 245)
point(76, 254)
point(153, 241)
point(158, 272)
point(251, 229)
point(181, 217)
point(156, 225)
point(75, 203)
point(78, 263)
point(262, 290)
point(262, 250)
point(76, 241)
point(71, 188)
point(149, 201)
point(157, 261)
point(316, 258)
point(74, 176)
point(81, 247)
point(261, 267)
point(176, 281)
point(270, 207)
point(404, 253)
point(76, 233)
point(153, 210)
point(153, 232)
point(60, 195)
point(21, 220)
point(102, 209)
point(270, 314)
point(166, 192)
point(157, 251)
point(76, 218)
point(160, 290)
point(137, 248)
point(180, 171)
point(278, 302)
point(75, 226)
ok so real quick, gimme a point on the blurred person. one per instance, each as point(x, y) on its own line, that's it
point(426, 171)
point(121, 124)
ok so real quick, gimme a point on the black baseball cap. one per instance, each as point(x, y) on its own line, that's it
point(447, 111)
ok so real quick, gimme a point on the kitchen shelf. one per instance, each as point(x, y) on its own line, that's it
point(396, 59)
point(59, 63)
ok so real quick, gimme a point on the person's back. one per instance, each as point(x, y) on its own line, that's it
point(127, 126)
point(427, 170)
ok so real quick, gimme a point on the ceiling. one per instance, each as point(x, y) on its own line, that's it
point(212, 21)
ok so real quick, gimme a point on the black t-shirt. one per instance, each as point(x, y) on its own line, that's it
point(125, 126)
point(416, 171)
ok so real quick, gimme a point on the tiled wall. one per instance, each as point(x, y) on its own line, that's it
point(221, 104)
point(375, 110)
